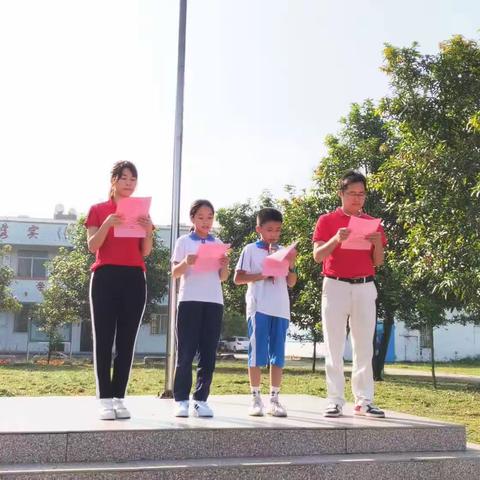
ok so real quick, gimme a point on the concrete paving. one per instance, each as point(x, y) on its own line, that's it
point(61, 438)
point(426, 466)
point(79, 414)
point(66, 429)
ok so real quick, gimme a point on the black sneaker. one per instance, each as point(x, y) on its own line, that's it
point(369, 410)
point(333, 410)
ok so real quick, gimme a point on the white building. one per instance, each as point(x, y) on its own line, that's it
point(451, 342)
point(34, 242)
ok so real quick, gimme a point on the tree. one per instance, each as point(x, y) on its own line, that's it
point(49, 319)
point(8, 302)
point(237, 227)
point(428, 311)
point(431, 180)
point(420, 149)
point(234, 324)
point(301, 211)
point(158, 271)
point(365, 141)
point(66, 296)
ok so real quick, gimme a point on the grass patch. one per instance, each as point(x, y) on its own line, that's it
point(452, 401)
point(471, 367)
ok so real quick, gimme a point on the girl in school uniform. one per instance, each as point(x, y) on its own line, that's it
point(200, 313)
point(117, 292)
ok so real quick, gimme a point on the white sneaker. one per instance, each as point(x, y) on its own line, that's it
point(369, 410)
point(181, 408)
point(121, 411)
point(333, 410)
point(256, 407)
point(106, 411)
point(275, 408)
point(201, 409)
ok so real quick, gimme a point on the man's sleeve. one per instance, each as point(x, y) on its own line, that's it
point(384, 237)
point(322, 231)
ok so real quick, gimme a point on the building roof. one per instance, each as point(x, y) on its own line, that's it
point(29, 231)
point(34, 231)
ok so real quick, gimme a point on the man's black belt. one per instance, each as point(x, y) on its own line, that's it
point(371, 278)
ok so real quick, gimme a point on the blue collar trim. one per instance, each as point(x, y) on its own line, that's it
point(264, 245)
point(197, 238)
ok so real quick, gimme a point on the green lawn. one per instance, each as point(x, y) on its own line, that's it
point(452, 401)
point(459, 368)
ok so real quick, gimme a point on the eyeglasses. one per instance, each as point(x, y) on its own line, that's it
point(356, 195)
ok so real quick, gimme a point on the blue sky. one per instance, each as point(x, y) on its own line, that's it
point(85, 83)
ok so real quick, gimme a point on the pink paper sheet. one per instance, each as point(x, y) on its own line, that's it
point(275, 268)
point(283, 253)
point(360, 227)
point(209, 255)
point(276, 264)
point(131, 208)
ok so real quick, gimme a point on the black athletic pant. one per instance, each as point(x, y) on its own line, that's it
point(117, 303)
point(198, 331)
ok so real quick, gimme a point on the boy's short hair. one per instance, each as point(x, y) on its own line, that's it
point(268, 215)
point(349, 177)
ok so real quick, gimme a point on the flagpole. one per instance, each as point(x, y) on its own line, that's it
point(176, 187)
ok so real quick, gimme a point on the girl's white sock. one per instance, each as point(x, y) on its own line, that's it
point(106, 403)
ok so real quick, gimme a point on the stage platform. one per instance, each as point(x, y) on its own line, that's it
point(60, 437)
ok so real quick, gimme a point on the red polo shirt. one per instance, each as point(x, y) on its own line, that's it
point(343, 262)
point(115, 250)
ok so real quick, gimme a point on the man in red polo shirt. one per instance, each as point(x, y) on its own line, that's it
point(349, 294)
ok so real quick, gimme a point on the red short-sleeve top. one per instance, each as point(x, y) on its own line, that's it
point(343, 262)
point(115, 250)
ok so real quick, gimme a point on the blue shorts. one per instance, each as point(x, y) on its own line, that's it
point(267, 336)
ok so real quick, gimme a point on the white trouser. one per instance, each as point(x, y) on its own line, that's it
point(339, 301)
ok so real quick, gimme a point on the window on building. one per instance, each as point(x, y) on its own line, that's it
point(21, 319)
point(425, 337)
point(37, 335)
point(31, 264)
point(159, 321)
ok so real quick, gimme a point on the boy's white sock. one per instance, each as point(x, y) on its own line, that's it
point(274, 391)
point(255, 391)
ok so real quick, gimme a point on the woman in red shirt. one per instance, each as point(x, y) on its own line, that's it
point(117, 291)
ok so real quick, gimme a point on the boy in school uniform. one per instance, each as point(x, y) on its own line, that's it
point(268, 311)
point(348, 293)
